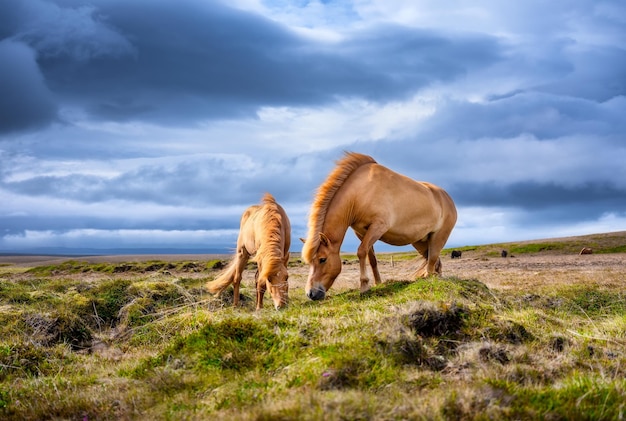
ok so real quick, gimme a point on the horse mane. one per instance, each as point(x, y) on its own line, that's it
point(270, 250)
point(325, 193)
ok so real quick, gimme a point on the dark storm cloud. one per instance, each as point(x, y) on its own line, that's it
point(597, 74)
point(410, 57)
point(541, 115)
point(590, 199)
point(25, 101)
point(183, 61)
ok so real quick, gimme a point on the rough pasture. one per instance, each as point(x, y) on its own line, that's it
point(538, 335)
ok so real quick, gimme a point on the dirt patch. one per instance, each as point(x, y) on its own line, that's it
point(524, 271)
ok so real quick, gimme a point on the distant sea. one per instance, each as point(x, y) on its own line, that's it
point(64, 251)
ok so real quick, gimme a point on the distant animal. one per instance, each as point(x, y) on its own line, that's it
point(504, 253)
point(378, 204)
point(456, 254)
point(586, 250)
point(264, 235)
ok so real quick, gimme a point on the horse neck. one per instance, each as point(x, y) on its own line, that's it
point(270, 266)
point(338, 220)
point(271, 257)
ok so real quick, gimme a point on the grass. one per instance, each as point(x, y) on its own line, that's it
point(613, 242)
point(87, 341)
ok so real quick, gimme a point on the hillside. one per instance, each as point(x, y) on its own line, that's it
point(611, 242)
point(537, 336)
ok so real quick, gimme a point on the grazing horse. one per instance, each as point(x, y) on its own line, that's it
point(456, 254)
point(265, 235)
point(586, 250)
point(378, 204)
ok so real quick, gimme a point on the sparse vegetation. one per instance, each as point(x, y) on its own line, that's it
point(91, 341)
point(614, 242)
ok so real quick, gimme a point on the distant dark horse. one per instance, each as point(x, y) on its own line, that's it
point(456, 254)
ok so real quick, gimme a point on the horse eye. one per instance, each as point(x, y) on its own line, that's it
point(322, 260)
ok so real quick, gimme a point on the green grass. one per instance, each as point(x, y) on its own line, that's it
point(613, 242)
point(74, 267)
point(83, 341)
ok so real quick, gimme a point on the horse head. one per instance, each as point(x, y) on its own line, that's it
point(325, 266)
point(278, 285)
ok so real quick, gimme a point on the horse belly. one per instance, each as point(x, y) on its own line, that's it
point(405, 236)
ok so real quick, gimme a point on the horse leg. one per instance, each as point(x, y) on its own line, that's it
point(436, 242)
point(371, 256)
point(422, 250)
point(374, 264)
point(242, 260)
point(366, 248)
point(260, 291)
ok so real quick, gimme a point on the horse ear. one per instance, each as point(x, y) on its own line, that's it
point(303, 239)
point(324, 239)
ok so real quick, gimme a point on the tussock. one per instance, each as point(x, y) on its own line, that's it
point(427, 319)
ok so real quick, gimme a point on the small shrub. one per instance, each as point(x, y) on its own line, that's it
point(593, 301)
point(411, 350)
point(58, 327)
point(190, 267)
point(108, 299)
point(154, 266)
point(15, 293)
point(144, 299)
point(122, 268)
point(428, 320)
point(537, 247)
point(215, 265)
point(508, 331)
point(345, 373)
point(494, 353)
point(28, 359)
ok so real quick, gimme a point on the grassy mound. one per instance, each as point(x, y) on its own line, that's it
point(138, 343)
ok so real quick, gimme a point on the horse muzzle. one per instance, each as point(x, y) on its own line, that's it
point(317, 293)
point(280, 306)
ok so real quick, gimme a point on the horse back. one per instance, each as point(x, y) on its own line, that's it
point(410, 208)
point(255, 227)
point(378, 186)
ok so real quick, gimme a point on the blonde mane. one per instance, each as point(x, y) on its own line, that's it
point(325, 193)
point(270, 251)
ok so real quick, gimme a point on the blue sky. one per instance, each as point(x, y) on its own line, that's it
point(156, 123)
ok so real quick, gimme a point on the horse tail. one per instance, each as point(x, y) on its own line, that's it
point(226, 278)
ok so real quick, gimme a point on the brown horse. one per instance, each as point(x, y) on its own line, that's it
point(378, 204)
point(265, 235)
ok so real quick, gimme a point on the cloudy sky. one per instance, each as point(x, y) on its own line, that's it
point(154, 123)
